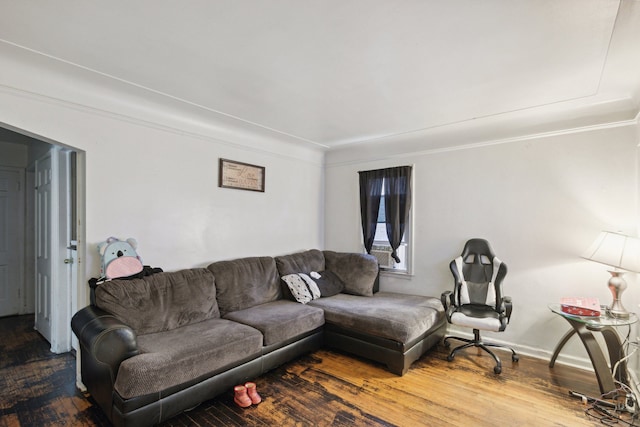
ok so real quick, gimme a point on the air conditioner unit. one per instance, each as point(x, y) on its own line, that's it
point(383, 255)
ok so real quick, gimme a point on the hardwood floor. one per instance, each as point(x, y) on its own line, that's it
point(326, 388)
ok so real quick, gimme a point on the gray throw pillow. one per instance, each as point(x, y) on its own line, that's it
point(328, 283)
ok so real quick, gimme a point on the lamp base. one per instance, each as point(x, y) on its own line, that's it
point(617, 285)
point(619, 314)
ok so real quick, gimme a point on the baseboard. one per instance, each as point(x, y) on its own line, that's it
point(562, 359)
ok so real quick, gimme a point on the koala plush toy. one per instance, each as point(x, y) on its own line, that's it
point(119, 258)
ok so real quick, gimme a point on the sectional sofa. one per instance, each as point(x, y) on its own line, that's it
point(156, 346)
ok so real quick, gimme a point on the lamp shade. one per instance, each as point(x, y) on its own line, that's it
point(616, 250)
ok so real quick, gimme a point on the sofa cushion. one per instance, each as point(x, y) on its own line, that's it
point(280, 320)
point(175, 357)
point(357, 271)
point(394, 316)
point(161, 301)
point(245, 282)
point(301, 262)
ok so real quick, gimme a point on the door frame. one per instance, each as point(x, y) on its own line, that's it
point(60, 286)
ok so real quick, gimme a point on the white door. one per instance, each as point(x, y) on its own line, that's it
point(43, 246)
point(11, 242)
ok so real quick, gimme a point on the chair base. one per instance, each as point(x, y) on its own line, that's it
point(477, 342)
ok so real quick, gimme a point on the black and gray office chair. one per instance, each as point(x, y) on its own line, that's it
point(477, 300)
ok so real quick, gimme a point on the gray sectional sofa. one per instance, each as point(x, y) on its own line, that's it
point(156, 346)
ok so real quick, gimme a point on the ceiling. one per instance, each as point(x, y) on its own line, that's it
point(343, 72)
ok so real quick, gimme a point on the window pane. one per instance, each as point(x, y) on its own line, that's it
point(381, 215)
point(381, 235)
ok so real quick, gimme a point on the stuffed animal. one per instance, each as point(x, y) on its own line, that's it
point(119, 258)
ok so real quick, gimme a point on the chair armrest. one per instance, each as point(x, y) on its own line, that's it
point(107, 340)
point(506, 302)
point(447, 299)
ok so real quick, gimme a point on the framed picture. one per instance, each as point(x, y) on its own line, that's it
point(242, 176)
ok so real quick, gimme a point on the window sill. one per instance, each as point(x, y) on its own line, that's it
point(396, 274)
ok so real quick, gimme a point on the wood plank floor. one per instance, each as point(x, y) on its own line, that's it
point(326, 388)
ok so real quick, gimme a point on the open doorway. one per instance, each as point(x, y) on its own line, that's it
point(11, 230)
point(49, 231)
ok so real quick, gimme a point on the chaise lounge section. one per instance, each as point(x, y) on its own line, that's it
point(390, 328)
point(153, 347)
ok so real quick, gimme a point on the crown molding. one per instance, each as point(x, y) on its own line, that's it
point(374, 157)
point(299, 155)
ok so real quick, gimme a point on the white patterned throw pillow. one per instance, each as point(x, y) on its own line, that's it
point(302, 287)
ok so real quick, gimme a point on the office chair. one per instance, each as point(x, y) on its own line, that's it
point(477, 301)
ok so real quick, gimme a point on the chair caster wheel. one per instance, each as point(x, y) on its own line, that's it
point(497, 369)
point(515, 358)
point(449, 358)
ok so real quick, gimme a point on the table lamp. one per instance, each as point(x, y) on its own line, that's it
point(623, 254)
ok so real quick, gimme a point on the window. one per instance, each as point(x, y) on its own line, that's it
point(381, 248)
point(385, 205)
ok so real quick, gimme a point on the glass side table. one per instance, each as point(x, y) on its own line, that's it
point(584, 326)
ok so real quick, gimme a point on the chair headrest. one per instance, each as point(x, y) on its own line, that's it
point(477, 261)
point(478, 247)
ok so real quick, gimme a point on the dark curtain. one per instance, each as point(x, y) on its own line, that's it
point(397, 197)
point(370, 191)
point(397, 202)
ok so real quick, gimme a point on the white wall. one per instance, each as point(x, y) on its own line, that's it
point(540, 202)
point(159, 183)
point(163, 190)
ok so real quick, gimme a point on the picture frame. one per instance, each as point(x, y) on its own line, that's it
point(240, 175)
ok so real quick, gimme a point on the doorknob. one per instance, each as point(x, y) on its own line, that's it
point(68, 261)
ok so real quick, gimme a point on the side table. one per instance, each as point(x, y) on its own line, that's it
point(585, 326)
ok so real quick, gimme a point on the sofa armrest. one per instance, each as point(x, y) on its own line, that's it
point(109, 340)
point(104, 343)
